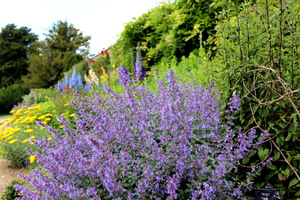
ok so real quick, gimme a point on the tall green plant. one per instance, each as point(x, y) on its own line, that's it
point(259, 47)
point(172, 29)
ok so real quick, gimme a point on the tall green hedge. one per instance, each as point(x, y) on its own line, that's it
point(11, 95)
point(171, 29)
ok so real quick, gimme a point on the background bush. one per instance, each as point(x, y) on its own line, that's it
point(258, 46)
point(171, 29)
point(11, 95)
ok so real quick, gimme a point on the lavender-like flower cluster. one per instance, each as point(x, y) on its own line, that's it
point(74, 82)
point(167, 144)
point(124, 75)
point(139, 71)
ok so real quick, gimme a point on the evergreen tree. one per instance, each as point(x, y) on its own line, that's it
point(15, 46)
point(63, 47)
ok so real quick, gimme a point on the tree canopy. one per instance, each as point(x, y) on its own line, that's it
point(63, 47)
point(169, 30)
point(15, 46)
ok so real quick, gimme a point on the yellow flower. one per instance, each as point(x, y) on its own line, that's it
point(25, 126)
point(67, 104)
point(13, 141)
point(44, 122)
point(49, 138)
point(25, 141)
point(43, 127)
point(61, 126)
point(33, 108)
point(18, 111)
point(10, 137)
point(17, 121)
point(24, 120)
point(47, 119)
point(32, 137)
point(49, 106)
point(4, 121)
point(3, 126)
point(28, 130)
point(41, 117)
point(72, 115)
point(32, 158)
point(58, 119)
point(31, 119)
point(12, 111)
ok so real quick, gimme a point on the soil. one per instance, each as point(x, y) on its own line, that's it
point(8, 173)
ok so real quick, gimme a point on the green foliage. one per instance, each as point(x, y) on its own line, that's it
point(39, 95)
point(61, 103)
point(172, 29)
point(10, 193)
point(63, 47)
point(11, 95)
point(15, 46)
point(81, 68)
point(258, 46)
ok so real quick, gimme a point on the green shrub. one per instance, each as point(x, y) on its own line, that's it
point(11, 95)
point(258, 45)
point(39, 95)
point(81, 68)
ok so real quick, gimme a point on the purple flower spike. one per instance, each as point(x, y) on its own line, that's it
point(124, 75)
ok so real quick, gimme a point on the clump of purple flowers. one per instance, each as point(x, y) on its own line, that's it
point(124, 76)
point(167, 144)
point(139, 71)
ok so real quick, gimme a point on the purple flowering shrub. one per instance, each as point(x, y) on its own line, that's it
point(168, 144)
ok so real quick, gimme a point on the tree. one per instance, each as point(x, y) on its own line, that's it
point(170, 30)
point(15, 46)
point(63, 47)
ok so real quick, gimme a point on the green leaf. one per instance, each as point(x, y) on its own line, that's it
point(287, 172)
point(293, 182)
point(288, 138)
point(279, 185)
point(246, 160)
point(271, 167)
point(282, 192)
point(297, 194)
point(280, 140)
point(282, 124)
point(276, 155)
point(297, 157)
point(263, 153)
point(259, 185)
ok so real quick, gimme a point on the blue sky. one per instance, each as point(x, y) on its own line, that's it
point(103, 20)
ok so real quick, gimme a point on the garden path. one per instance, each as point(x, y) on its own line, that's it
point(8, 173)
